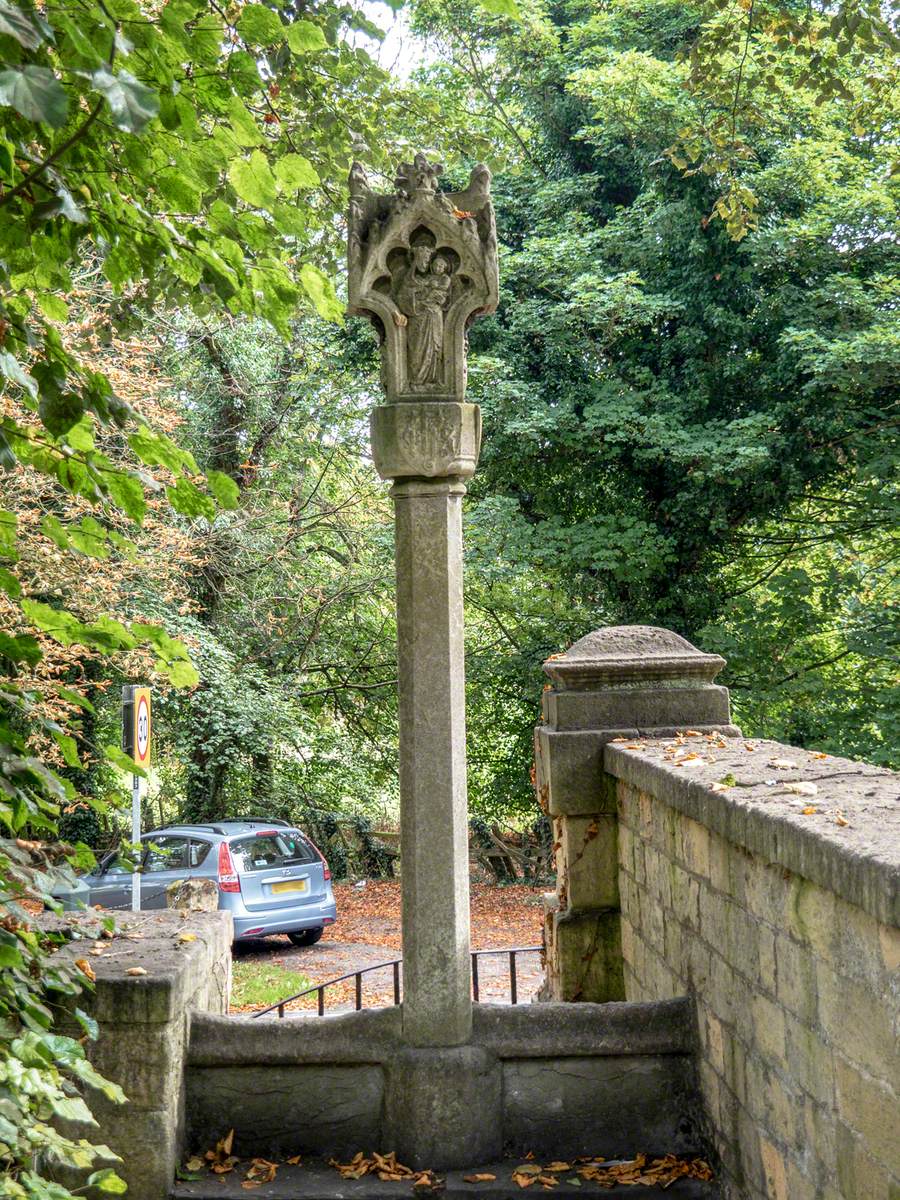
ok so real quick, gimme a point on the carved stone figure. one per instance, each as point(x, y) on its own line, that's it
point(422, 264)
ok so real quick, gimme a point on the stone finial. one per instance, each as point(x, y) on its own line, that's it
point(638, 654)
point(422, 264)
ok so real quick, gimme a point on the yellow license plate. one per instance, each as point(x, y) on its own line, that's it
point(294, 885)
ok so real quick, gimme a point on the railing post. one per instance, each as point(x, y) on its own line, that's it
point(624, 681)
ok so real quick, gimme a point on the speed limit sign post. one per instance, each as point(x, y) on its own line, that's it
point(137, 733)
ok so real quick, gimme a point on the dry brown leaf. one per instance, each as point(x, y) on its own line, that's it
point(187, 937)
point(809, 810)
point(136, 971)
point(483, 1177)
point(85, 968)
point(294, 1160)
point(840, 819)
point(262, 1169)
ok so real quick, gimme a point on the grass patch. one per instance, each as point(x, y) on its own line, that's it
point(262, 983)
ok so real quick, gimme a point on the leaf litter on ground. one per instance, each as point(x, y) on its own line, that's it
point(386, 1167)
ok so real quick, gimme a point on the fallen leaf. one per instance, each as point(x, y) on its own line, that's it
point(262, 1169)
point(485, 1177)
point(187, 937)
point(85, 967)
point(840, 819)
point(818, 755)
point(809, 810)
point(294, 1160)
point(136, 971)
point(194, 1164)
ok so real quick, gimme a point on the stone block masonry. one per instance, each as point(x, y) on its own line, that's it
point(559, 1080)
point(777, 910)
point(143, 1018)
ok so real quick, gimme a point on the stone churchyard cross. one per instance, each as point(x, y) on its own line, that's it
point(422, 264)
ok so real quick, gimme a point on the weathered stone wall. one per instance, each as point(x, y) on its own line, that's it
point(557, 1079)
point(185, 960)
point(777, 911)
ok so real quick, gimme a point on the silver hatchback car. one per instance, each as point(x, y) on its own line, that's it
point(270, 876)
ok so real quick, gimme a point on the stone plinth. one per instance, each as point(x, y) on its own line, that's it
point(616, 683)
point(143, 1029)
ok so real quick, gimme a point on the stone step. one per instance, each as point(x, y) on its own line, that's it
point(320, 1182)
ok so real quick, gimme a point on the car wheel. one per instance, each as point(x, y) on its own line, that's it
point(306, 937)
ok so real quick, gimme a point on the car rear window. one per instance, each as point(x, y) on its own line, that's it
point(266, 850)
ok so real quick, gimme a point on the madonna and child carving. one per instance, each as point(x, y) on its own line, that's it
point(422, 264)
point(421, 294)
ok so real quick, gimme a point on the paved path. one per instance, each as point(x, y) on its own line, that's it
point(329, 959)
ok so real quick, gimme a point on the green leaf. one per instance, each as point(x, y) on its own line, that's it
point(108, 1181)
point(502, 8)
point(23, 648)
point(224, 488)
point(126, 491)
point(10, 584)
point(53, 307)
point(157, 450)
point(20, 25)
point(246, 131)
point(8, 526)
point(13, 370)
point(132, 103)
point(9, 956)
point(295, 173)
point(320, 290)
point(72, 1108)
point(120, 759)
point(68, 747)
point(252, 179)
point(304, 37)
point(188, 500)
point(260, 25)
point(88, 1024)
point(35, 93)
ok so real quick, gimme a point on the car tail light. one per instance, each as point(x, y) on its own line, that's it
point(228, 876)
point(327, 869)
point(267, 833)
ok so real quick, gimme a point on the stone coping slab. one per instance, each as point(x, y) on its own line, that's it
point(850, 844)
point(173, 949)
point(510, 1032)
point(319, 1182)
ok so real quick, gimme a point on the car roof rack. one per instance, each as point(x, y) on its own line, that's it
point(184, 825)
point(258, 821)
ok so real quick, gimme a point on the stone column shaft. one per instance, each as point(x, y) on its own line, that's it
point(437, 1005)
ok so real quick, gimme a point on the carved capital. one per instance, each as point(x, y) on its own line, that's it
point(426, 440)
point(422, 264)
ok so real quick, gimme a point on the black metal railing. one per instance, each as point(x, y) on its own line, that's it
point(318, 989)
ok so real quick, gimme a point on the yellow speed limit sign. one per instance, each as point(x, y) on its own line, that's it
point(138, 724)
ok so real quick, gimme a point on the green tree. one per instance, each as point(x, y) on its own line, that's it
point(660, 387)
